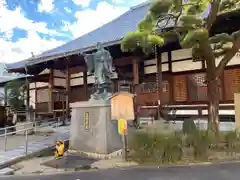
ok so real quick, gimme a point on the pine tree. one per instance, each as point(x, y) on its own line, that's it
point(15, 92)
point(190, 23)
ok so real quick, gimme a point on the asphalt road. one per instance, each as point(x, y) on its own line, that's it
point(202, 172)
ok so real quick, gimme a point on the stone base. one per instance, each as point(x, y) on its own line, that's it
point(101, 135)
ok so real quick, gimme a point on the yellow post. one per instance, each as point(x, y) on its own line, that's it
point(122, 130)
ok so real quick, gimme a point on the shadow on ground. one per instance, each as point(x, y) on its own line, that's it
point(71, 162)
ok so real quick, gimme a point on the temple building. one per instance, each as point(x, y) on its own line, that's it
point(59, 76)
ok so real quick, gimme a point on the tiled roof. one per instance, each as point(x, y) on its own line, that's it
point(109, 34)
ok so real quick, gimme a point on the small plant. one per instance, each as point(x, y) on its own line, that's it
point(189, 127)
point(200, 143)
point(232, 141)
point(172, 151)
point(157, 148)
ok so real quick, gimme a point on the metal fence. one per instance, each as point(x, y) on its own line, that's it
point(26, 128)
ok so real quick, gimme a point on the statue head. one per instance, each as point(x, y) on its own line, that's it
point(99, 46)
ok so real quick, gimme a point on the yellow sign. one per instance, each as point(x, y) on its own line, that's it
point(122, 126)
point(86, 120)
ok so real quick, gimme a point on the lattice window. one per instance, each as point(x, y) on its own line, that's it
point(42, 95)
point(197, 87)
point(231, 82)
point(180, 88)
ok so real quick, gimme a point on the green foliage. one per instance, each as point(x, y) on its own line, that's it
point(147, 24)
point(194, 37)
point(134, 40)
point(189, 127)
point(200, 144)
point(227, 5)
point(236, 35)
point(170, 148)
point(15, 93)
point(232, 141)
point(158, 8)
point(149, 148)
point(189, 26)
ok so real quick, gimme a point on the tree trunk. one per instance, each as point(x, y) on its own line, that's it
point(213, 105)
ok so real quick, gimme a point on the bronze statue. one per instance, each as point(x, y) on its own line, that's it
point(100, 65)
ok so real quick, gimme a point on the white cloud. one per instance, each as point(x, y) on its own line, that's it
point(83, 3)
point(15, 51)
point(67, 10)
point(15, 19)
point(21, 49)
point(90, 19)
point(117, 1)
point(87, 20)
point(46, 5)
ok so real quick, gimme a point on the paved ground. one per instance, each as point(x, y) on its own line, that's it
point(34, 145)
point(202, 172)
point(15, 141)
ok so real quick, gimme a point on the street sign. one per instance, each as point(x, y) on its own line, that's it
point(122, 126)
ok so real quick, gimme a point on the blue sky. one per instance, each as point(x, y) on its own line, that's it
point(38, 25)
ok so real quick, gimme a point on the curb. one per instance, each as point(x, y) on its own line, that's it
point(189, 164)
point(96, 155)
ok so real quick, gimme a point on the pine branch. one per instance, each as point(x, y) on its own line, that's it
point(213, 13)
point(228, 56)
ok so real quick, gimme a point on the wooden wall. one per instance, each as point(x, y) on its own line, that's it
point(184, 81)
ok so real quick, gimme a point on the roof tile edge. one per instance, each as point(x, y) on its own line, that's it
point(140, 5)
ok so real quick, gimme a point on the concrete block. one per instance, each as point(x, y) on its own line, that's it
point(96, 133)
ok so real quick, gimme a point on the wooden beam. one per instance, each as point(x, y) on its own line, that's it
point(171, 77)
point(68, 91)
point(28, 100)
point(85, 85)
point(123, 61)
point(159, 78)
point(36, 99)
point(50, 89)
point(135, 62)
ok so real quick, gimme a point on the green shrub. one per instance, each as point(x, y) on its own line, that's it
point(232, 141)
point(156, 148)
point(189, 127)
point(146, 147)
point(172, 149)
point(200, 143)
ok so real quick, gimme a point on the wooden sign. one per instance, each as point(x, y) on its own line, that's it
point(122, 106)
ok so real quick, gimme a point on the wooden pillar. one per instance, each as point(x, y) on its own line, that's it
point(36, 99)
point(27, 100)
point(5, 96)
point(50, 91)
point(171, 77)
point(223, 87)
point(68, 91)
point(135, 62)
point(85, 84)
point(159, 78)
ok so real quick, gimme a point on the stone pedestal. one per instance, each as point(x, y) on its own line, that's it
point(92, 129)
